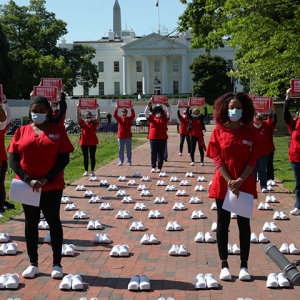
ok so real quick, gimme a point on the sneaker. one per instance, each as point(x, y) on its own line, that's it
point(129, 164)
point(199, 238)
point(264, 190)
point(295, 211)
point(57, 272)
point(253, 238)
point(211, 282)
point(86, 173)
point(158, 170)
point(282, 280)
point(262, 238)
point(152, 170)
point(225, 274)
point(180, 154)
point(120, 164)
point(92, 173)
point(202, 164)
point(30, 272)
point(244, 274)
point(272, 281)
point(200, 282)
point(192, 163)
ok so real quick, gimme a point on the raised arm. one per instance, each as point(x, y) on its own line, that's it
point(62, 107)
point(286, 108)
point(98, 114)
point(78, 114)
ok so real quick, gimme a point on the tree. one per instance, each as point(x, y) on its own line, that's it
point(210, 74)
point(5, 62)
point(266, 32)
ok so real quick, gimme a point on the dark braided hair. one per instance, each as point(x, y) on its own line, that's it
point(42, 100)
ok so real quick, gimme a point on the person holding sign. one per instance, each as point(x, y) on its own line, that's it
point(57, 114)
point(88, 139)
point(157, 133)
point(196, 127)
point(38, 154)
point(232, 147)
point(184, 133)
point(124, 133)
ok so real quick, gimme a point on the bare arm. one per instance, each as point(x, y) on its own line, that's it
point(98, 114)
point(78, 114)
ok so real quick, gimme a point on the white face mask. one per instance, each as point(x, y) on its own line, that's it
point(257, 126)
point(88, 119)
point(158, 116)
point(54, 108)
point(184, 116)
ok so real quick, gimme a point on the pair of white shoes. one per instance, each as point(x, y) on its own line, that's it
point(9, 281)
point(208, 238)
point(291, 249)
point(43, 225)
point(181, 193)
point(136, 174)
point(70, 206)
point(179, 206)
point(121, 193)
point(83, 298)
point(262, 238)
point(145, 178)
point(189, 174)
point(94, 225)
point(101, 239)
point(67, 250)
point(170, 188)
point(214, 206)
point(244, 274)
point(127, 199)
point(80, 215)
point(198, 214)
point(160, 183)
point(122, 178)
point(132, 182)
point(161, 200)
point(195, 200)
point(32, 271)
point(270, 226)
point(271, 199)
point(169, 298)
point(141, 187)
point(173, 226)
point(184, 183)
point(95, 199)
point(162, 174)
point(104, 182)
point(4, 237)
point(174, 179)
point(175, 250)
point(80, 188)
point(137, 226)
point(145, 193)
point(271, 182)
point(8, 249)
point(264, 206)
point(138, 282)
point(123, 214)
point(206, 282)
point(118, 250)
point(146, 240)
point(65, 200)
point(279, 215)
point(201, 179)
point(105, 206)
point(140, 206)
point(93, 178)
point(155, 214)
point(199, 188)
point(233, 249)
point(277, 280)
point(73, 282)
point(112, 187)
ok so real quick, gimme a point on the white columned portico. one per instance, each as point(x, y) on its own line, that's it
point(184, 76)
point(145, 72)
point(125, 79)
point(165, 83)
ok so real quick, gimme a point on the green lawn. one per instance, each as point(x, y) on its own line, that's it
point(106, 152)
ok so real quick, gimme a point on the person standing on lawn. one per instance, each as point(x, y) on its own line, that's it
point(183, 131)
point(124, 133)
point(57, 113)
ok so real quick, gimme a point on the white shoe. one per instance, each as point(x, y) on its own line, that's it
point(163, 200)
point(244, 274)
point(282, 280)
point(270, 188)
point(143, 206)
point(176, 225)
point(229, 249)
point(236, 249)
point(261, 206)
point(158, 214)
point(126, 214)
point(262, 238)
point(199, 238)
point(214, 226)
point(140, 226)
point(4, 237)
point(170, 226)
point(11, 249)
point(200, 282)
point(153, 239)
point(295, 211)
point(77, 282)
point(201, 214)
point(137, 206)
point(209, 238)
point(193, 200)
point(91, 225)
point(225, 274)
point(293, 249)
point(273, 226)
point(267, 206)
point(145, 239)
point(174, 250)
point(30, 272)
point(66, 283)
point(57, 272)
point(86, 173)
point(283, 216)
point(12, 281)
point(3, 280)
point(192, 163)
point(214, 206)
point(178, 193)
point(115, 250)
point(133, 226)
point(269, 199)
point(158, 171)
point(182, 251)
point(83, 215)
point(105, 239)
point(211, 281)
point(69, 250)
point(119, 215)
point(76, 215)
point(97, 239)
point(272, 281)
point(276, 215)
point(233, 216)
point(151, 214)
point(92, 173)
point(152, 170)
point(157, 200)
point(253, 238)
point(124, 250)
point(120, 164)
point(266, 227)
point(144, 283)
point(179, 154)
point(108, 206)
point(201, 164)
point(195, 215)
point(284, 248)
point(134, 283)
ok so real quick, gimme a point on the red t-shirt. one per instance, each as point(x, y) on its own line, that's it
point(262, 137)
point(234, 148)
point(3, 154)
point(62, 122)
point(124, 131)
point(184, 123)
point(88, 133)
point(294, 149)
point(158, 127)
point(196, 129)
point(39, 153)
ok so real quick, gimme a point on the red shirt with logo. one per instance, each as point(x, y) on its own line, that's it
point(3, 154)
point(262, 137)
point(196, 129)
point(88, 133)
point(158, 127)
point(294, 148)
point(124, 131)
point(184, 123)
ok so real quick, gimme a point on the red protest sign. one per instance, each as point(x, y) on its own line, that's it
point(124, 103)
point(262, 104)
point(195, 101)
point(159, 99)
point(88, 103)
point(252, 96)
point(183, 103)
point(295, 86)
point(1, 90)
point(49, 92)
point(52, 82)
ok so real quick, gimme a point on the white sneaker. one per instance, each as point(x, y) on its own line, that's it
point(266, 226)
point(4, 237)
point(200, 282)
point(262, 238)
point(133, 226)
point(201, 164)
point(244, 274)
point(153, 239)
point(158, 214)
point(270, 188)
point(105, 239)
point(170, 226)
point(86, 173)
point(267, 206)
point(253, 238)
point(158, 170)
point(272, 281)
point(199, 238)
point(214, 206)
point(124, 250)
point(180, 154)
point(293, 249)
point(57, 272)
point(163, 200)
point(182, 250)
point(201, 214)
point(151, 214)
point(264, 190)
point(115, 250)
point(145, 239)
point(91, 225)
point(152, 170)
point(276, 215)
point(140, 226)
point(77, 282)
point(192, 163)
point(214, 226)
point(284, 248)
point(97, 239)
point(144, 283)
point(225, 274)
point(283, 216)
point(269, 199)
point(120, 164)
point(209, 238)
point(134, 283)
point(157, 200)
point(66, 283)
point(261, 206)
point(174, 250)
point(229, 249)
point(92, 173)
point(282, 280)
point(176, 226)
point(30, 272)
point(233, 216)
point(98, 225)
point(211, 282)
point(295, 211)
point(273, 226)
point(236, 249)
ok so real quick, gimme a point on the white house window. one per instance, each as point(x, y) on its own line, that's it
point(139, 66)
point(101, 66)
point(117, 88)
point(230, 63)
point(139, 87)
point(157, 66)
point(175, 66)
point(101, 88)
point(116, 66)
point(175, 87)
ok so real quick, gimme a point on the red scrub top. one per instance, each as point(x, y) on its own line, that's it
point(294, 148)
point(184, 124)
point(262, 136)
point(3, 154)
point(39, 152)
point(234, 148)
point(196, 129)
point(88, 133)
point(62, 122)
point(124, 131)
point(158, 127)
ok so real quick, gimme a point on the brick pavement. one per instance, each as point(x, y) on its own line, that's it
point(107, 277)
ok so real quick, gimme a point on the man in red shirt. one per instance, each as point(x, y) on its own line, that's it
point(124, 134)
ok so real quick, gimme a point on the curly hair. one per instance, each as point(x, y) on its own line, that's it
point(42, 100)
point(157, 109)
point(221, 108)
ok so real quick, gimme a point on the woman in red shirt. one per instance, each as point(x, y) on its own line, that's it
point(232, 147)
point(124, 134)
point(184, 133)
point(88, 139)
point(39, 152)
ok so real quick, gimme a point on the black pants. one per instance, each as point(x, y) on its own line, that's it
point(194, 141)
point(222, 232)
point(270, 166)
point(182, 138)
point(50, 205)
point(157, 147)
point(2, 185)
point(85, 151)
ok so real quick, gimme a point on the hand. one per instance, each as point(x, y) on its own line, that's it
point(59, 95)
point(43, 181)
point(77, 105)
point(189, 104)
point(237, 193)
point(62, 88)
point(150, 103)
point(35, 184)
point(117, 106)
point(288, 94)
point(131, 106)
point(235, 184)
point(98, 107)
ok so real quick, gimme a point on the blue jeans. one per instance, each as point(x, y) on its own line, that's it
point(260, 167)
point(296, 170)
point(157, 148)
point(121, 149)
point(166, 152)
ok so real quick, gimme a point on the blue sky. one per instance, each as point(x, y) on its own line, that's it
point(91, 19)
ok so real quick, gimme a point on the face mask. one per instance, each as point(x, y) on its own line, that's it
point(54, 108)
point(257, 125)
point(184, 116)
point(124, 116)
point(158, 116)
point(235, 114)
point(196, 116)
point(38, 118)
point(88, 119)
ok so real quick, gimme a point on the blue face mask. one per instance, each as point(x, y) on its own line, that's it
point(38, 118)
point(235, 114)
point(88, 119)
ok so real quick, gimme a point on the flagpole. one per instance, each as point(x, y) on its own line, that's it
point(158, 17)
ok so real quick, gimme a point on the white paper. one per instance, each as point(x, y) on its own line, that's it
point(243, 206)
point(21, 192)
